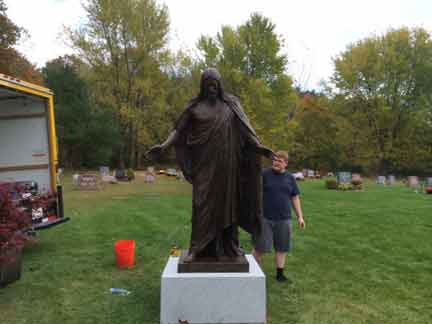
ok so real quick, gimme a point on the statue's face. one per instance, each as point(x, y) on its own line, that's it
point(212, 88)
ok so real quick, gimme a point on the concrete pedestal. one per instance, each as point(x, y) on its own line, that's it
point(210, 298)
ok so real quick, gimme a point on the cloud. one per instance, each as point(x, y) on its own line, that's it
point(315, 31)
point(44, 20)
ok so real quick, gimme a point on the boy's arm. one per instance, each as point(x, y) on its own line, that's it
point(297, 208)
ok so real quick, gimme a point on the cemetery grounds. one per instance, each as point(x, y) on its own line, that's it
point(364, 257)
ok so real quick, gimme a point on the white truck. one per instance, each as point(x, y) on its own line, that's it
point(28, 144)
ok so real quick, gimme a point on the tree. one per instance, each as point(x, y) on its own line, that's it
point(87, 135)
point(316, 130)
point(124, 45)
point(11, 61)
point(262, 47)
point(9, 32)
point(385, 82)
point(249, 58)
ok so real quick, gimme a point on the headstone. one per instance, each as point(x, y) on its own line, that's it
point(171, 172)
point(381, 180)
point(149, 177)
point(391, 180)
point(310, 173)
point(120, 175)
point(298, 175)
point(88, 182)
point(104, 170)
point(213, 297)
point(343, 177)
point(151, 170)
point(413, 182)
point(356, 177)
point(180, 176)
point(108, 179)
point(75, 179)
point(429, 182)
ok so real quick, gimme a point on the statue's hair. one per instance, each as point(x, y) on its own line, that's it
point(211, 73)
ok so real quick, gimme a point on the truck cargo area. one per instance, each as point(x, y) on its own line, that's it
point(28, 151)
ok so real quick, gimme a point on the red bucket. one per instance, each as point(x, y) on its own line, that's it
point(125, 253)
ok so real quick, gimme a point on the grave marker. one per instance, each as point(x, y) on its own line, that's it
point(381, 180)
point(150, 175)
point(104, 171)
point(75, 179)
point(88, 182)
point(391, 181)
point(151, 170)
point(413, 182)
point(343, 177)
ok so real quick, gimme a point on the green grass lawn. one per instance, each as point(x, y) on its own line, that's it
point(364, 257)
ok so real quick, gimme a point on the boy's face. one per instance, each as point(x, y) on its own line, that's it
point(279, 164)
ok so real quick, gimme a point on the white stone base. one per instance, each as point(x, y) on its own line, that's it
point(209, 298)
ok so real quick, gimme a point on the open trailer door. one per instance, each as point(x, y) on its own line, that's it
point(28, 146)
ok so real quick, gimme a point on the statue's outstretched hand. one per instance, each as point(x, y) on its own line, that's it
point(268, 153)
point(155, 153)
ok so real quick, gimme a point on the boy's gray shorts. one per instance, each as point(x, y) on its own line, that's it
point(275, 234)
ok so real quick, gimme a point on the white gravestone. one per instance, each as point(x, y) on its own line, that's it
point(381, 180)
point(413, 182)
point(104, 171)
point(149, 178)
point(109, 179)
point(150, 175)
point(391, 180)
point(210, 298)
point(75, 179)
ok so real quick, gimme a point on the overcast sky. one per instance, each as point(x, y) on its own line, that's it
point(314, 31)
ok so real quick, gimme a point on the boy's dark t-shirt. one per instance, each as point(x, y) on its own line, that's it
point(278, 189)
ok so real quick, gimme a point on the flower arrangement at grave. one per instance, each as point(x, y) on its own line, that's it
point(345, 186)
point(331, 184)
point(428, 185)
point(357, 184)
point(130, 174)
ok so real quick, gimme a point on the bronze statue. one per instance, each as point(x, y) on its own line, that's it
point(219, 153)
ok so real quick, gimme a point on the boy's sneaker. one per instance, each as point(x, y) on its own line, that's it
point(282, 278)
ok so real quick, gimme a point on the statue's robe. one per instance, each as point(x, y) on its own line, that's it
point(215, 150)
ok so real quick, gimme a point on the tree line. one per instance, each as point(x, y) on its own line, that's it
point(123, 90)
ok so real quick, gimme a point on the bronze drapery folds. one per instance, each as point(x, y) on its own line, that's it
point(219, 153)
